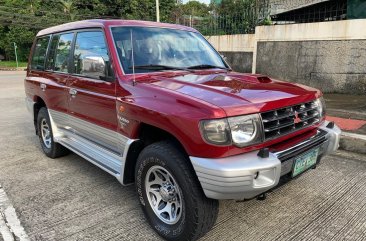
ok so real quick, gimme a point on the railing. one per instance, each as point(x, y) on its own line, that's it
point(220, 25)
point(240, 22)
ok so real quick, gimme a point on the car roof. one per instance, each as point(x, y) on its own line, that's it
point(103, 23)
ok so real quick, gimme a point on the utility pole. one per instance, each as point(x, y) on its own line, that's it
point(157, 11)
point(16, 55)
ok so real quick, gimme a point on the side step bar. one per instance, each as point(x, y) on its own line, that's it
point(106, 160)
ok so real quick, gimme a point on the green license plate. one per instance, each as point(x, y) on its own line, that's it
point(304, 162)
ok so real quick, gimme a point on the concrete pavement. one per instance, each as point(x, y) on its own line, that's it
point(70, 199)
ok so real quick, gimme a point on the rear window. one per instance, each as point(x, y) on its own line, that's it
point(58, 57)
point(39, 53)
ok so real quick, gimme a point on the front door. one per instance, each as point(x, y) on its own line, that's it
point(92, 99)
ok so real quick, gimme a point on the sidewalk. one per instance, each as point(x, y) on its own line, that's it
point(349, 113)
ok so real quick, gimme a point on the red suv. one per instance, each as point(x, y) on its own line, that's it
point(154, 104)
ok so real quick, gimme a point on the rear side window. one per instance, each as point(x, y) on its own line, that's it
point(58, 57)
point(91, 55)
point(39, 53)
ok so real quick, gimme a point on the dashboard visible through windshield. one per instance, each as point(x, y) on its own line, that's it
point(158, 49)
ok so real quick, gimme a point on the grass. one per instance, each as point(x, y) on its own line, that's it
point(12, 64)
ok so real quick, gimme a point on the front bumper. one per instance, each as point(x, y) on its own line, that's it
point(247, 175)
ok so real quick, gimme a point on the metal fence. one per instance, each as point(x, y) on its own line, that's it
point(245, 22)
point(238, 23)
point(219, 25)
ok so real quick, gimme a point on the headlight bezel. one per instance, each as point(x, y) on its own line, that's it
point(257, 135)
point(205, 134)
point(321, 107)
point(231, 127)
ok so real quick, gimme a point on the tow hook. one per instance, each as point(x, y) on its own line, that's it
point(330, 125)
point(262, 197)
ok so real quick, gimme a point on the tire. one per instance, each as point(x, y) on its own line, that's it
point(49, 147)
point(190, 223)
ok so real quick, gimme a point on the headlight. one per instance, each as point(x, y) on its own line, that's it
point(216, 132)
point(245, 130)
point(240, 130)
point(320, 105)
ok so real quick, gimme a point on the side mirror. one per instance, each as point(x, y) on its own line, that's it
point(93, 67)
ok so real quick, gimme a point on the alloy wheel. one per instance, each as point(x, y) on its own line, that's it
point(164, 195)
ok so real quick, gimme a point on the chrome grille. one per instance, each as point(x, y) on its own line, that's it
point(282, 121)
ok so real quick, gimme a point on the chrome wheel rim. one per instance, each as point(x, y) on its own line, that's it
point(46, 133)
point(164, 195)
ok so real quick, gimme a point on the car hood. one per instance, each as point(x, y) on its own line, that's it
point(237, 93)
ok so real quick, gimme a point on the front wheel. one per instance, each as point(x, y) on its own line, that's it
point(170, 194)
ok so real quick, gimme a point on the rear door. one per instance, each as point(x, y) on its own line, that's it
point(92, 88)
point(48, 74)
point(34, 79)
point(56, 76)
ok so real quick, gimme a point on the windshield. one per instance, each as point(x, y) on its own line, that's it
point(163, 47)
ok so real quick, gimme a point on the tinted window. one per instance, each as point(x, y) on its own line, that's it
point(90, 55)
point(39, 53)
point(50, 63)
point(58, 57)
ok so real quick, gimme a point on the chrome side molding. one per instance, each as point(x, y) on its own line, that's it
point(104, 148)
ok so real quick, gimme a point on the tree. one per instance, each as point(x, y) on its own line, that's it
point(195, 8)
point(22, 37)
point(20, 20)
point(68, 6)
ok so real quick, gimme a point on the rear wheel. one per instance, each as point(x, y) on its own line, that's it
point(170, 194)
point(49, 147)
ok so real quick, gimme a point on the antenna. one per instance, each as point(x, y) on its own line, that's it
point(133, 60)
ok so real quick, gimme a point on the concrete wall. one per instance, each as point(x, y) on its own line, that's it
point(332, 66)
point(330, 56)
point(239, 61)
point(238, 50)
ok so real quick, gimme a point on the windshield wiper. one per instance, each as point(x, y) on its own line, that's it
point(207, 66)
point(159, 67)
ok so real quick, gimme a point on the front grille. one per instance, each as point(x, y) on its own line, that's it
point(282, 121)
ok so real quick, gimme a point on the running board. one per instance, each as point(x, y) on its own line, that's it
point(105, 159)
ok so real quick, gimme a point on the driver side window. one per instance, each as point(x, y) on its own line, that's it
point(91, 57)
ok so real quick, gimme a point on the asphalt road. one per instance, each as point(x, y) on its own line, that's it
point(70, 199)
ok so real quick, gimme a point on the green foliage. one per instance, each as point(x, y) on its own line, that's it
point(23, 37)
point(267, 21)
point(20, 20)
point(195, 8)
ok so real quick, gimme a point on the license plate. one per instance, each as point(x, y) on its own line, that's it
point(304, 162)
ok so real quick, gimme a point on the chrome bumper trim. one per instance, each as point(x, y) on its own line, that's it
point(246, 176)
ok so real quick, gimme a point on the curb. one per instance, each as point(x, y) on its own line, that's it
point(353, 142)
point(12, 68)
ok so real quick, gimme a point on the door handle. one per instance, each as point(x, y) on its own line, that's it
point(43, 86)
point(73, 92)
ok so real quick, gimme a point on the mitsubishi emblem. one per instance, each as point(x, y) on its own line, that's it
point(297, 118)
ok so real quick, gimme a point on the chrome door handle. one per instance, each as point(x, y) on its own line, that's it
point(43, 86)
point(73, 92)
